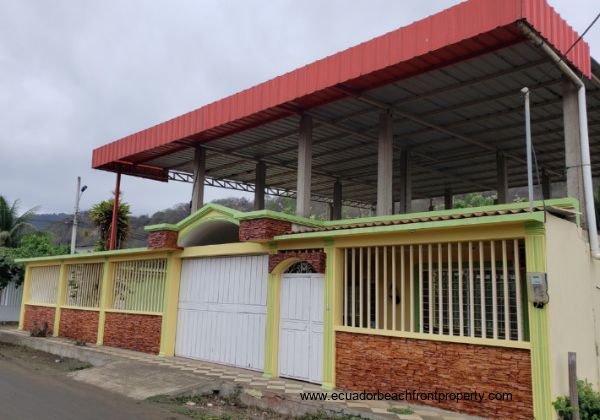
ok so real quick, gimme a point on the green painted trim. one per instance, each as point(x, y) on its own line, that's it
point(440, 224)
point(59, 258)
point(234, 214)
point(535, 251)
point(270, 214)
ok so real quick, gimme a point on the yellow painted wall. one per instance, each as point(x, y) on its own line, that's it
point(574, 307)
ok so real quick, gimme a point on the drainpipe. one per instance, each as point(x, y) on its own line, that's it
point(583, 136)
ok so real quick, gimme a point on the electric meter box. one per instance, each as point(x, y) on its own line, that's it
point(537, 288)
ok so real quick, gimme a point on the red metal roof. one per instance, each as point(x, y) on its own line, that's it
point(463, 31)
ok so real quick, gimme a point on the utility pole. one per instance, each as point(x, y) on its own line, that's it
point(78, 194)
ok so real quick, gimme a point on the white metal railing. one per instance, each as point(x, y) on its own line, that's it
point(139, 285)
point(464, 289)
point(44, 284)
point(83, 285)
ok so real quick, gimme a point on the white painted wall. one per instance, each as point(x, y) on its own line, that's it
point(222, 310)
point(574, 307)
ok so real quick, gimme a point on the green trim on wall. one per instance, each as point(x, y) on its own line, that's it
point(270, 214)
point(535, 250)
point(59, 258)
point(188, 229)
point(269, 368)
point(328, 383)
point(226, 211)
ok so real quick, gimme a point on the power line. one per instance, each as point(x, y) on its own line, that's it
point(582, 35)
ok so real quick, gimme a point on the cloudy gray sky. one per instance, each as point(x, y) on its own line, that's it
point(78, 74)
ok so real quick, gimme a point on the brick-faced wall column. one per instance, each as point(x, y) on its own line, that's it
point(162, 239)
point(263, 229)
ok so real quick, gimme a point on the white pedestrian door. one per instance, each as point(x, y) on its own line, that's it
point(222, 310)
point(301, 327)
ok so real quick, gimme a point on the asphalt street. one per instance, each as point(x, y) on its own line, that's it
point(29, 394)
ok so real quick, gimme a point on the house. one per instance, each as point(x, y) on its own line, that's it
point(487, 299)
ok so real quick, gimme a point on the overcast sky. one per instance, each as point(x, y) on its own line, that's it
point(77, 74)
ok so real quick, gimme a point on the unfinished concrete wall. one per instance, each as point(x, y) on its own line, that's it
point(574, 306)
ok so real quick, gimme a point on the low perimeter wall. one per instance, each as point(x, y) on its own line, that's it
point(37, 315)
point(137, 332)
point(375, 363)
point(133, 331)
point(79, 324)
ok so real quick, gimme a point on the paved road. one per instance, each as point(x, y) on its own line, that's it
point(29, 395)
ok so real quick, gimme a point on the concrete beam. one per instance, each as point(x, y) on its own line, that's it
point(336, 209)
point(259, 186)
point(385, 162)
point(572, 147)
point(304, 178)
point(502, 180)
point(199, 174)
point(405, 181)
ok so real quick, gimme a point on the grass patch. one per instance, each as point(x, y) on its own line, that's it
point(80, 366)
point(400, 410)
point(322, 415)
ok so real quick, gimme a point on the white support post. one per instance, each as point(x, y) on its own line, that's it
point(199, 173)
point(303, 185)
point(573, 166)
point(385, 161)
point(259, 186)
point(502, 177)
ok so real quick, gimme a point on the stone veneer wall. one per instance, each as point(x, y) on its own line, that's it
point(315, 258)
point(39, 315)
point(79, 324)
point(392, 364)
point(133, 331)
point(262, 229)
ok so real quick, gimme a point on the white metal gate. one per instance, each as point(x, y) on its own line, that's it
point(301, 327)
point(10, 302)
point(222, 310)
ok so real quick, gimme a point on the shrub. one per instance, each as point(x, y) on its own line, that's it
point(589, 403)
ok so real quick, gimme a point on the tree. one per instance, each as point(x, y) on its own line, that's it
point(33, 245)
point(12, 225)
point(473, 200)
point(101, 216)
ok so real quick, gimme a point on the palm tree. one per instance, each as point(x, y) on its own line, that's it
point(101, 216)
point(12, 225)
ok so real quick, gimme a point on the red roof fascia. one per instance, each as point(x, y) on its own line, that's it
point(467, 29)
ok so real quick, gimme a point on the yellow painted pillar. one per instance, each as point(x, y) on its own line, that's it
point(331, 311)
point(60, 296)
point(26, 295)
point(535, 252)
point(170, 301)
point(272, 325)
point(105, 298)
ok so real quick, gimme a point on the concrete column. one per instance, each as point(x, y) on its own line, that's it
point(405, 181)
point(385, 161)
point(448, 197)
point(336, 209)
point(572, 146)
point(502, 177)
point(546, 184)
point(199, 173)
point(303, 184)
point(259, 186)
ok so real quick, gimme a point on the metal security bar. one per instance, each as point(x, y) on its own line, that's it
point(463, 289)
point(83, 285)
point(139, 285)
point(44, 284)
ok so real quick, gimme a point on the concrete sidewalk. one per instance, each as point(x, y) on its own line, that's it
point(139, 376)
